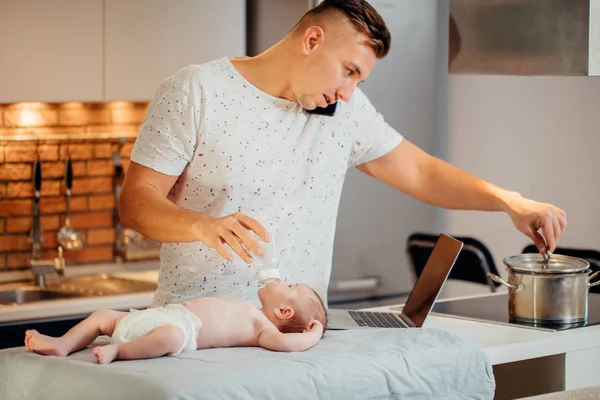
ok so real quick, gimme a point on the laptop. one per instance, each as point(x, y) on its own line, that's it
point(419, 302)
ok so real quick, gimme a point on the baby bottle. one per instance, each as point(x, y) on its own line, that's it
point(267, 266)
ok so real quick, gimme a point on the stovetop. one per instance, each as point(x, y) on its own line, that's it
point(494, 309)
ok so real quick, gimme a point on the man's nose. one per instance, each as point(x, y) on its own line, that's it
point(344, 93)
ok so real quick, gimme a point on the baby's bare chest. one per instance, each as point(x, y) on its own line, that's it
point(227, 324)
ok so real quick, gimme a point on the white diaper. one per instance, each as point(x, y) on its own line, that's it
point(140, 323)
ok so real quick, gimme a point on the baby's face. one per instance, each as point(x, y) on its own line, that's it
point(282, 294)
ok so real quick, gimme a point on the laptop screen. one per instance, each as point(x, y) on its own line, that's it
point(428, 286)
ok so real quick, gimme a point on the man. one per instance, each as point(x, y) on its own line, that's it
point(228, 149)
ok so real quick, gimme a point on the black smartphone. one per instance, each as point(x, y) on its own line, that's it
point(328, 111)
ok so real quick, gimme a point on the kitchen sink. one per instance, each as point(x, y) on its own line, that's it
point(72, 287)
point(101, 285)
point(29, 295)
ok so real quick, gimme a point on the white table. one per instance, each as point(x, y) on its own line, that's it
point(528, 361)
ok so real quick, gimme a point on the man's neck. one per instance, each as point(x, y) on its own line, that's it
point(268, 71)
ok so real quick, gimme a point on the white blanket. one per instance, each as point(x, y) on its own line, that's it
point(360, 364)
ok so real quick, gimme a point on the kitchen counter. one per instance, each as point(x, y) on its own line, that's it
point(527, 360)
point(145, 271)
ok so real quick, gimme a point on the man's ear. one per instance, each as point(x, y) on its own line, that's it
point(313, 37)
point(285, 312)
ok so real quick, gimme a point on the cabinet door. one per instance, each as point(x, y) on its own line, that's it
point(51, 50)
point(149, 40)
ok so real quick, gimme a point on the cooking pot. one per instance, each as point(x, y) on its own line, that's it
point(547, 290)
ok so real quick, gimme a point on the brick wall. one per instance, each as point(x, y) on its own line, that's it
point(93, 201)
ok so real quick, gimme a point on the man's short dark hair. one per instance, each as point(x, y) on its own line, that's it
point(362, 15)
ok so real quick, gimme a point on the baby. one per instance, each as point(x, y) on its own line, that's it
point(292, 318)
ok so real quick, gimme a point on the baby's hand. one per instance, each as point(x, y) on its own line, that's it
point(315, 326)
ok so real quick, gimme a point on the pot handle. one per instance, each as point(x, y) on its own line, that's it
point(496, 278)
point(592, 276)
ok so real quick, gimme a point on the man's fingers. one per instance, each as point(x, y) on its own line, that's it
point(248, 240)
point(538, 240)
point(558, 231)
point(254, 225)
point(562, 218)
point(234, 230)
point(548, 232)
point(223, 251)
point(234, 243)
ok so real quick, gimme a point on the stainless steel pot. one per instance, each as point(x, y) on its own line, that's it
point(547, 291)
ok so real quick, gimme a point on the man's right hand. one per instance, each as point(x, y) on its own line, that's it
point(233, 229)
point(144, 207)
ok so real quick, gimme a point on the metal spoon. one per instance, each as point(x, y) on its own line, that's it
point(68, 237)
point(546, 256)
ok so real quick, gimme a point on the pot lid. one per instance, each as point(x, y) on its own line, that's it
point(534, 263)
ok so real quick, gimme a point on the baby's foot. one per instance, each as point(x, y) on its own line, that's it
point(46, 345)
point(106, 354)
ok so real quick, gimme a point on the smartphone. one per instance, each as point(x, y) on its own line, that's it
point(328, 111)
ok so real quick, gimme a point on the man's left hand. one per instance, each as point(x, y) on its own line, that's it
point(531, 217)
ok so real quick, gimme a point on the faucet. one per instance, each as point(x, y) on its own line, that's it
point(41, 267)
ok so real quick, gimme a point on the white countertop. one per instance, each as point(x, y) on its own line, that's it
point(504, 344)
point(73, 307)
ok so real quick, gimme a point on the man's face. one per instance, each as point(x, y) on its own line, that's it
point(336, 62)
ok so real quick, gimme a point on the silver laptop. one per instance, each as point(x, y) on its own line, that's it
point(421, 298)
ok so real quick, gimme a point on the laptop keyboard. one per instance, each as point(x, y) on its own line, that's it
point(376, 319)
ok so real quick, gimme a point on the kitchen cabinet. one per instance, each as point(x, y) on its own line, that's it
point(105, 50)
point(51, 50)
point(149, 40)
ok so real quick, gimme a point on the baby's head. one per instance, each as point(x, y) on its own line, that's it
point(292, 307)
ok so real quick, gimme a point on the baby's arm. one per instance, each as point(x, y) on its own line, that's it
point(271, 338)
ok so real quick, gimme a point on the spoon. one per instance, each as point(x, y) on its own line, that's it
point(547, 256)
point(68, 237)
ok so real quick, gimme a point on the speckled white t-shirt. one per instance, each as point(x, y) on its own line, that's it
point(237, 148)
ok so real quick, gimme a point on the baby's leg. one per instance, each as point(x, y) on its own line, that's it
point(166, 339)
point(77, 338)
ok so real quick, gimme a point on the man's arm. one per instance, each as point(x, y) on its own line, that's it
point(441, 184)
point(271, 338)
point(144, 206)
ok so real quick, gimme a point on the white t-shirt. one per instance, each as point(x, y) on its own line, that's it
point(237, 148)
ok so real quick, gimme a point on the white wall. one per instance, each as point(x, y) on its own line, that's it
point(537, 135)
point(375, 220)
